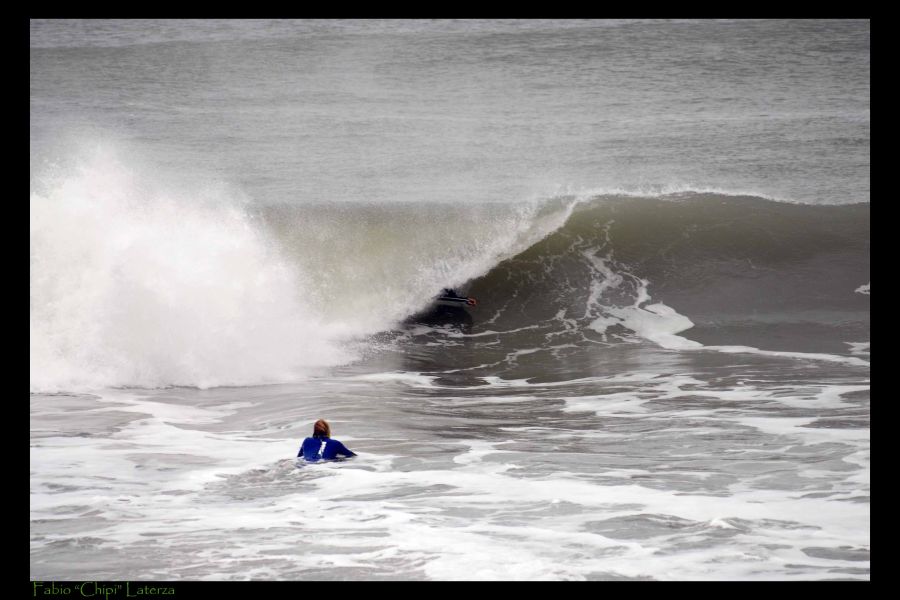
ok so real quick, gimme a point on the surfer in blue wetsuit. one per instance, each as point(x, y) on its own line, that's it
point(320, 446)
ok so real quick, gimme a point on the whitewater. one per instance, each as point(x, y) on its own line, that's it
point(239, 227)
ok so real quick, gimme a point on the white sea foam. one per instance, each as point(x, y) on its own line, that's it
point(859, 348)
point(410, 379)
point(180, 471)
point(131, 284)
point(847, 360)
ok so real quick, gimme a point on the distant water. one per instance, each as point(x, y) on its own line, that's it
point(237, 228)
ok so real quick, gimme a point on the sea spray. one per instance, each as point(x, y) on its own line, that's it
point(132, 285)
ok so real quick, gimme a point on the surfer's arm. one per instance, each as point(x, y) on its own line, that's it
point(343, 451)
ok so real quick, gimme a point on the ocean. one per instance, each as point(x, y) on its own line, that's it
point(238, 227)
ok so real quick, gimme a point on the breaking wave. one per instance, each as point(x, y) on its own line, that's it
point(137, 284)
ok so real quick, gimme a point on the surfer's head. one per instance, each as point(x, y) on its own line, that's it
point(321, 429)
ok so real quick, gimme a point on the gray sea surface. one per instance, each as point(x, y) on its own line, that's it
point(238, 227)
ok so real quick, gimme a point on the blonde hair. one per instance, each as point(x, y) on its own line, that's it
point(321, 429)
